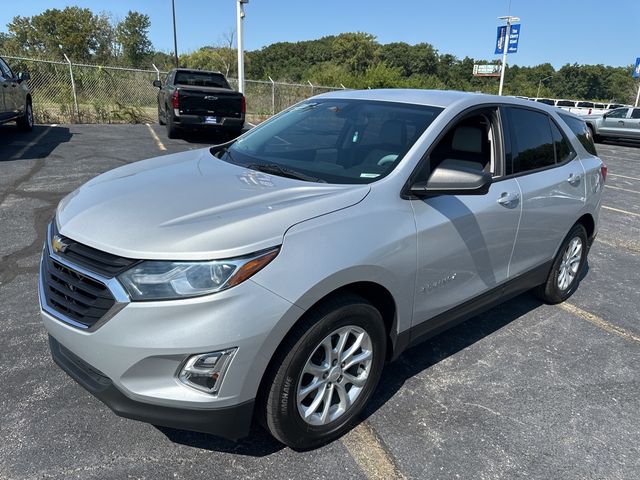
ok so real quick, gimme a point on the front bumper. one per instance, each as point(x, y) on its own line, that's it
point(230, 422)
point(137, 355)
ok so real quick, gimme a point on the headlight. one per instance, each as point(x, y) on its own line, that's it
point(160, 280)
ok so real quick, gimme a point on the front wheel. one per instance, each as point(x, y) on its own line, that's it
point(325, 373)
point(25, 123)
point(567, 267)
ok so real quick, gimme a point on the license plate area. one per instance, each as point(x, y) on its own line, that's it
point(211, 120)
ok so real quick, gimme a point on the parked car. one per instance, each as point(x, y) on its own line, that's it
point(15, 97)
point(199, 99)
point(275, 274)
point(619, 123)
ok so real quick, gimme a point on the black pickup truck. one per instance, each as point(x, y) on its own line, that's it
point(199, 99)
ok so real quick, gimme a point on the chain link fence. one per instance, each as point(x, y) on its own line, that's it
point(67, 92)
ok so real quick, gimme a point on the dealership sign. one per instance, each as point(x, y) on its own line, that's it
point(514, 36)
point(636, 69)
point(491, 70)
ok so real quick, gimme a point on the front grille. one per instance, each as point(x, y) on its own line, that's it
point(76, 296)
point(97, 261)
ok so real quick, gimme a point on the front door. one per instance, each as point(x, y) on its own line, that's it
point(613, 122)
point(465, 241)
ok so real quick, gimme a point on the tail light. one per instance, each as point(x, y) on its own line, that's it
point(603, 170)
point(175, 99)
point(243, 105)
point(590, 110)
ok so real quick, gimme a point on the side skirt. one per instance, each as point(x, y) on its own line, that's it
point(483, 302)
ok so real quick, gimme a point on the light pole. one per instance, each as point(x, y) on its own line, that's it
point(509, 19)
point(240, 21)
point(175, 38)
point(540, 84)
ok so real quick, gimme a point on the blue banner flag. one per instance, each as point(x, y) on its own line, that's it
point(636, 69)
point(514, 36)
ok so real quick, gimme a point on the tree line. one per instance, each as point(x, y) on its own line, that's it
point(353, 59)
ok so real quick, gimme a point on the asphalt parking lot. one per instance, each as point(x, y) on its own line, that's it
point(525, 390)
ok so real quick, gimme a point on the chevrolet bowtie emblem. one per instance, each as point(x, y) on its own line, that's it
point(58, 244)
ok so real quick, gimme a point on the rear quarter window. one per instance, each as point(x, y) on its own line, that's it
point(580, 130)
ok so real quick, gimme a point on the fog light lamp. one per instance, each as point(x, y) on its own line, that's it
point(205, 371)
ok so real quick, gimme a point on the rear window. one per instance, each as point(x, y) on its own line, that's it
point(201, 79)
point(546, 101)
point(565, 103)
point(635, 113)
point(580, 129)
point(585, 104)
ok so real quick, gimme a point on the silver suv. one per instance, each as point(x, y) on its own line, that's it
point(273, 276)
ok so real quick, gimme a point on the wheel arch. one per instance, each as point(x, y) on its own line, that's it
point(376, 294)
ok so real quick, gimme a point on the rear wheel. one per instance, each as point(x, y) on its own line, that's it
point(161, 120)
point(172, 130)
point(325, 373)
point(25, 123)
point(564, 276)
point(596, 138)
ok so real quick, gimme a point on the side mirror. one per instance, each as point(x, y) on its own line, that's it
point(454, 177)
point(23, 76)
point(157, 83)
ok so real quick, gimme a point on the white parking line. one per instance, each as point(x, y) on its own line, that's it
point(599, 322)
point(621, 211)
point(622, 176)
point(624, 159)
point(623, 189)
point(156, 138)
point(30, 144)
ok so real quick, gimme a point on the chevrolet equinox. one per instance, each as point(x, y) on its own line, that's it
point(273, 276)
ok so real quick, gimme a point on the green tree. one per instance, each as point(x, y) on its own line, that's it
point(75, 31)
point(355, 51)
point(132, 34)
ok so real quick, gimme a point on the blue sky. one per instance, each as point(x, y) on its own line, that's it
point(555, 31)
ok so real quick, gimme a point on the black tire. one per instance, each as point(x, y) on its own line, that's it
point(25, 123)
point(172, 130)
point(161, 120)
point(282, 416)
point(234, 132)
point(596, 138)
point(550, 291)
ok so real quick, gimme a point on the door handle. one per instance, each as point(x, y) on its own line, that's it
point(509, 199)
point(574, 179)
point(620, 122)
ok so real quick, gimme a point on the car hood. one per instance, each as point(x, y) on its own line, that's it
point(193, 206)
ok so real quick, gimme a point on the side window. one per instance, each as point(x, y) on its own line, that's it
point(618, 113)
point(581, 131)
point(5, 71)
point(635, 113)
point(531, 140)
point(562, 146)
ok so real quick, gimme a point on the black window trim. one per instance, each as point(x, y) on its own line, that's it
point(541, 169)
point(405, 192)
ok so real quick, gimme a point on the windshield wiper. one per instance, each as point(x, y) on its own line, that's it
point(276, 169)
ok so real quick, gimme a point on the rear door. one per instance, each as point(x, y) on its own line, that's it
point(551, 180)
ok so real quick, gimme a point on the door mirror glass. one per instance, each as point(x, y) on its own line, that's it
point(23, 76)
point(454, 177)
point(157, 83)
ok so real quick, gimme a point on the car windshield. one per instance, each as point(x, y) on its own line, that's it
point(333, 140)
point(201, 79)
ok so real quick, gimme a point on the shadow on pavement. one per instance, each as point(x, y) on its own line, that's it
point(39, 143)
point(258, 444)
